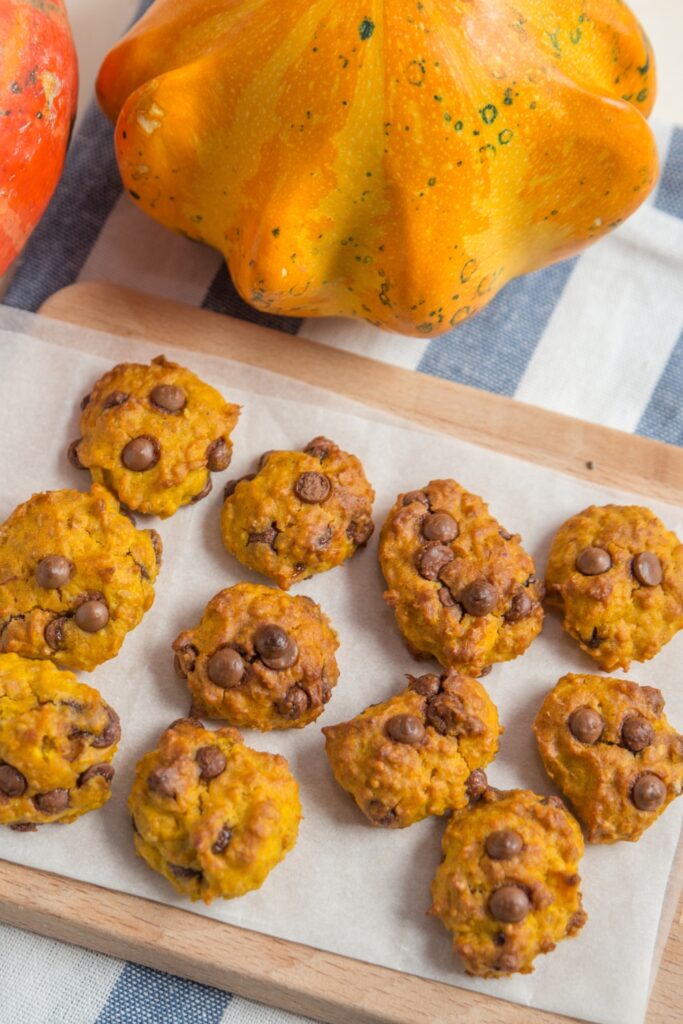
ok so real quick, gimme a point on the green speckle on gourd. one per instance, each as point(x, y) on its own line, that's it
point(489, 113)
point(505, 136)
point(575, 36)
point(425, 328)
point(439, 99)
point(508, 101)
point(432, 182)
point(416, 71)
point(458, 126)
point(366, 28)
point(469, 270)
point(646, 66)
point(447, 117)
point(460, 315)
point(643, 95)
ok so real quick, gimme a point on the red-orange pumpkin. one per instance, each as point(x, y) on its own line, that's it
point(38, 93)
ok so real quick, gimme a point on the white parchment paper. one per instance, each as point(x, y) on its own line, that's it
point(346, 887)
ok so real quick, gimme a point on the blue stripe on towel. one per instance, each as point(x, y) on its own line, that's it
point(492, 350)
point(144, 996)
point(223, 297)
point(669, 197)
point(663, 417)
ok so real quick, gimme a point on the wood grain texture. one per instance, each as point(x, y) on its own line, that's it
point(298, 978)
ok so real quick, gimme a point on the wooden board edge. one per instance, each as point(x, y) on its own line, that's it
point(297, 978)
point(624, 461)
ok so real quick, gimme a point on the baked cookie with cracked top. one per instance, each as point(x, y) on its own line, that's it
point(508, 887)
point(211, 815)
point(421, 752)
point(463, 588)
point(606, 743)
point(301, 513)
point(616, 574)
point(259, 659)
point(154, 435)
point(75, 577)
point(57, 741)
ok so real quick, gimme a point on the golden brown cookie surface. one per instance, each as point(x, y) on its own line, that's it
point(75, 577)
point(259, 659)
point(508, 886)
point(153, 435)
point(301, 513)
point(57, 741)
point(463, 589)
point(211, 815)
point(616, 573)
point(419, 753)
point(607, 745)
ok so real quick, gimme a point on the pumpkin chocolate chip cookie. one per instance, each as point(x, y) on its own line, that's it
point(301, 513)
point(153, 435)
point(463, 588)
point(419, 753)
point(508, 887)
point(57, 741)
point(211, 815)
point(259, 659)
point(607, 745)
point(75, 577)
point(616, 574)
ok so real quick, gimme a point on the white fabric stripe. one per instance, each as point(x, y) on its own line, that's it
point(243, 1011)
point(134, 251)
point(607, 344)
point(366, 340)
point(48, 982)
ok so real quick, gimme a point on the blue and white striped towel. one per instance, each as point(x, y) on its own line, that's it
point(599, 337)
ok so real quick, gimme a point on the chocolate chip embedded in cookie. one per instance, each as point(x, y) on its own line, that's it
point(419, 753)
point(211, 815)
point(57, 740)
point(607, 745)
point(616, 574)
point(508, 886)
point(153, 435)
point(259, 659)
point(75, 577)
point(463, 589)
point(301, 513)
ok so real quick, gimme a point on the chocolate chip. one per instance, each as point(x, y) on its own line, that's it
point(204, 493)
point(294, 704)
point(505, 534)
point(593, 561)
point(125, 511)
point(323, 539)
point(649, 792)
point(157, 544)
point(440, 526)
point(53, 571)
point(141, 454)
point(636, 733)
point(54, 633)
point(111, 734)
point(185, 659)
point(477, 784)
point(85, 401)
point(102, 771)
point(92, 616)
point(586, 725)
point(114, 399)
point(380, 815)
point(218, 455)
point(479, 598)
point(52, 802)
point(313, 488)
point(405, 729)
point(181, 872)
point(193, 722)
point(509, 904)
point(24, 826)
point(654, 698)
point(594, 640)
point(229, 488)
point(72, 454)
point(212, 762)
point(267, 536)
point(225, 668)
point(432, 559)
point(503, 844)
point(160, 780)
point(510, 962)
point(499, 939)
point(168, 398)
point(413, 496)
point(12, 782)
point(427, 685)
point(520, 608)
point(360, 533)
point(319, 447)
point(486, 671)
point(647, 569)
point(447, 714)
point(276, 648)
point(222, 840)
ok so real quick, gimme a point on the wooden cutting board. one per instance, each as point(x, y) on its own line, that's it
point(298, 978)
